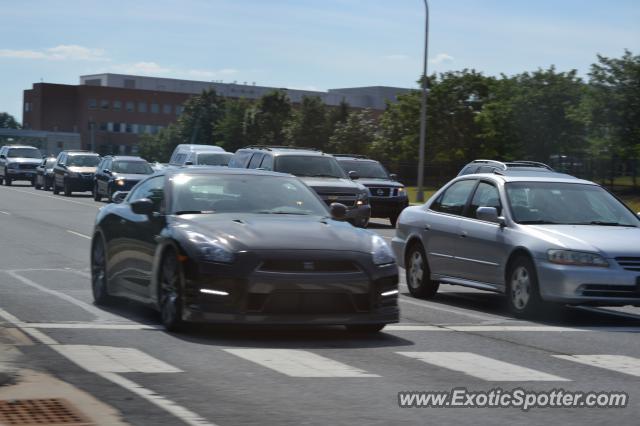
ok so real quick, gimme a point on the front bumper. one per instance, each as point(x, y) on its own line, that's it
point(611, 286)
point(387, 206)
point(81, 183)
point(17, 174)
point(294, 298)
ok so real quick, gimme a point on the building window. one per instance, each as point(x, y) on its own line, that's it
point(104, 104)
point(129, 106)
point(93, 104)
point(117, 105)
point(142, 107)
point(116, 127)
point(109, 127)
point(155, 108)
point(166, 108)
point(123, 127)
point(27, 106)
point(103, 126)
point(129, 128)
point(179, 109)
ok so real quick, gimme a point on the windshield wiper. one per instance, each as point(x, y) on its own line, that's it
point(281, 212)
point(194, 212)
point(538, 222)
point(603, 223)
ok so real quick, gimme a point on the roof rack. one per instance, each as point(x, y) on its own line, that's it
point(506, 165)
point(351, 155)
point(270, 147)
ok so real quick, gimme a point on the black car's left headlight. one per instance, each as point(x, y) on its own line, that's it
point(211, 250)
point(380, 251)
point(362, 198)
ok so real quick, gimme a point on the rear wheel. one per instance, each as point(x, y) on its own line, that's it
point(99, 284)
point(393, 219)
point(365, 328)
point(47, 184)
point(7, 181)
point(67, 189)
point(418, 274)
point(522, 288)
point(171, 292)
point(56, 190)
point(96, 194)
point(37, 185)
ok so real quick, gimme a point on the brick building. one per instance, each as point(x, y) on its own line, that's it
point(111, 111)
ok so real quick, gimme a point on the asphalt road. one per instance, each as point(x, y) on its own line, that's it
point(294, 376)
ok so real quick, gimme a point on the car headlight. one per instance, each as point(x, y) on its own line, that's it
point(381, 252)
point(576, 258)
point(402, 192)
point(362, 198)
point(211, 250)
point(12, 166)
point(120, 182)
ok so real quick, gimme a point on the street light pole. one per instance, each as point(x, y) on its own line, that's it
point(423, 110)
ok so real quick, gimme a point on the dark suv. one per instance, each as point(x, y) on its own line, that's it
point(74, 171)
point(18, 162)
point(118, 173)
point(388, 197)
point(318, 170)
point(491, 166)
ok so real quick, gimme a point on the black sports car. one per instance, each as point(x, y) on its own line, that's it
point(241, 246)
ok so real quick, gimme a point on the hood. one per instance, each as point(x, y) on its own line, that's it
point(77, 169)
point(278, 232)
point(129, 176)
point(21, 160)
point(610, 241)
point(320, 183)
point(380, 183)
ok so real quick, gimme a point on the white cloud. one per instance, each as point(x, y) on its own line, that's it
point(61, 52)
point(442, 58)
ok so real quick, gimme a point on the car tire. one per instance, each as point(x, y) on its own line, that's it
point(37, 186)
point(418, 274)
point(47, 185)
point(66, 188)
point(7, 181)
point(394, 220)
point(99, 272)
point(365, 328)
point(170, 291)
point(523, 295)
point(96, 194)
point(56, 190)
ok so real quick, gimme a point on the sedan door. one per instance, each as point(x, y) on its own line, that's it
point(481, 248)
point(441, 230)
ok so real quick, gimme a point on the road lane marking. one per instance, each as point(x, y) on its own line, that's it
point(182, 413)
point(482, 328)
point(482, 367)
point(55, 198)
point(618, 363)
point(187, 416)
point(100, 314)
point(78, 234)
point(110, 359)
point(3, 212)
point(299, 363)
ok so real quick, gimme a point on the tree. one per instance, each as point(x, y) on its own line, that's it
point(339, 114)
point(309, 126)
point(232, 127)
point(268, 120)
point(160, 146)
point(198, 123)
point(355, 135)
point(7, 121)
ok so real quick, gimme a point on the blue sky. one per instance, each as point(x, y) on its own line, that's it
point(311, 44)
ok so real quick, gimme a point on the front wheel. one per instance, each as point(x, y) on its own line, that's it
point(96, 194)
point(67, 189)
point(99, 284)
point(7, 181)
point(56, 190)
point(522, 289)
point(418, 274)
point(171, 292)
point(393, 219)
point(365, 328)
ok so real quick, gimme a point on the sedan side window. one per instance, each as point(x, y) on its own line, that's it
point(454, 199)
point(486, 195)
point(267, 162)
point(152, 188)
point(255, 160)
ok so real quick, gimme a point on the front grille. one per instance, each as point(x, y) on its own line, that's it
point(346, 198)
point(302, 303)
point(604, 290)
point(27, 166)
point(309, 266)
point(380, 191)
point(629, 263)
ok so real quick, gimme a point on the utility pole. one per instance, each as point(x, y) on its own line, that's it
point(423, 110)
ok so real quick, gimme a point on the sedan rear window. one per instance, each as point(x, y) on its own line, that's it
point(24, 153)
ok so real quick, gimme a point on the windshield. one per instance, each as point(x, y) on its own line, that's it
point(132, 167)
point(83, 160)
point(24, 153)
point(244, 194)
point(566, 204)
point(214, 159)
point(306, 165)
point(365, 169)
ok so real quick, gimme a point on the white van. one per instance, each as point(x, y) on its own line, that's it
point(203, 155)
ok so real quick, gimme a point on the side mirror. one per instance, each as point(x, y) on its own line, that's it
point(142, 206)
point(119, 196)
point(188, 163)
point(338, 211)
point(107, 172)
point(393, 176)
point(489, 214)
point(353, 175)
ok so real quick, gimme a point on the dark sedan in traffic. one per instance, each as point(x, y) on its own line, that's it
point(118, 173)
point(241, 246)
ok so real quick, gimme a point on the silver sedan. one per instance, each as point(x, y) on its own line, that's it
point(535, 239)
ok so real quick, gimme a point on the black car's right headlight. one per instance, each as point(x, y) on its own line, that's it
point(211, 250)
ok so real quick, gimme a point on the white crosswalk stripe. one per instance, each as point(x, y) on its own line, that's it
point(482, 367)
point(107, 359)
point(299, 363)
point(619, 363)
